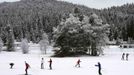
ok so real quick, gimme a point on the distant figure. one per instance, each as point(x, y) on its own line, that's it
point(99, 68)
point(127, 54)
point(42, 63)
point(27, 67)
point(50, 64)
point(78, 63)
point(122, 58)
point(11, 65)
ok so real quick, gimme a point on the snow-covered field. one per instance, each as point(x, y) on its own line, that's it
point(111, 63)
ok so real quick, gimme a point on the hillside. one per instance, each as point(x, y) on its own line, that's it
point(33, 17)
point(121, 21)
point(30, 18)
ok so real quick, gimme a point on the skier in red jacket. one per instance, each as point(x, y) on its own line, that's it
point(78, 63)
point(50, 64)
point(27, 67)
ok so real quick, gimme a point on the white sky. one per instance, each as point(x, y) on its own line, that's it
point(93, 3)
point(8, 0)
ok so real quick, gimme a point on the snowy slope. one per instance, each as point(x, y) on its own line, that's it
point(111, 63)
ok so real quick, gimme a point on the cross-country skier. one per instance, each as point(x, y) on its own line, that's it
point(27, 67)
point(127, 54)
point(42, 63)
point(78, 63)
point(122, 58)
point(50, 64)
point(99, 68)
point(11, 65)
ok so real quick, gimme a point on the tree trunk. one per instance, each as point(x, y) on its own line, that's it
point(93, 49)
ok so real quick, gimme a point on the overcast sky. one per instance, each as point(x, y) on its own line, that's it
point(93, 3)
point(8, 0)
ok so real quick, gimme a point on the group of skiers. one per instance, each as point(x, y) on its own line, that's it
point(97, 65)
point(42, 63)
point(27, 66)
point(77, 65)
point(125, 55)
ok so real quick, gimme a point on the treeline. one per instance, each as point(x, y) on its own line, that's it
point(121, 20)
point(31, 18)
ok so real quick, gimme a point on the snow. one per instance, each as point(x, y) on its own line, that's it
point(111, 63)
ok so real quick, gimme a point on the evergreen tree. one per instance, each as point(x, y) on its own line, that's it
point(10, 38)
point(130, 27)
point(98, 35)
point(1, 44)
point(74, 35)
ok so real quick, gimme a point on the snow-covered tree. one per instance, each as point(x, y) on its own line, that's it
point(44, 43)
point(1, 44)
point(99, 34)
point(24, 46)
point(76, 35)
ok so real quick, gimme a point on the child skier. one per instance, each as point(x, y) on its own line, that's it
point(50, 64)
point(99, 68)
point(42, 63)
point(27, 67)
point(78, 63)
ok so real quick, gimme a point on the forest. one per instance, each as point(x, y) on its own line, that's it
point(31, 18)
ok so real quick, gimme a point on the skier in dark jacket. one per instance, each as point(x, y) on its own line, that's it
point(11, 65)
point(78, 63)
point(127, 56)
point(122, 58)
point(27, 67)
point(99, 68)
point(50, 64)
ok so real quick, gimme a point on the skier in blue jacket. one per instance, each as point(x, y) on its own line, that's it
point(99, 68)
